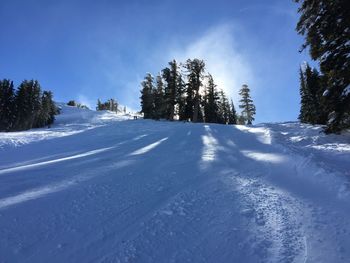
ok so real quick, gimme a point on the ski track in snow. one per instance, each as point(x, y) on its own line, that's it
point(147, 191)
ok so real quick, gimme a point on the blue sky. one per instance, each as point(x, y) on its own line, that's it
point(86, 49)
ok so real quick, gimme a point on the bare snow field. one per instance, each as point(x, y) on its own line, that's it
point(100, 187)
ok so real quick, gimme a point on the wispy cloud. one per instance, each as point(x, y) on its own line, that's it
point(217, 47)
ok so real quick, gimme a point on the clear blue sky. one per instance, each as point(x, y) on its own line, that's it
point(86, 49)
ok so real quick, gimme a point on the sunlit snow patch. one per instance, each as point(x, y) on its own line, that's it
point(29, 166)
point(148, 147)
point(263, 133)
point(209, 146)
point(264, 157)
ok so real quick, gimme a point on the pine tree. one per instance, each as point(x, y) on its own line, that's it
point(171, 76)
point(247, 105)
point(147, 97)
point(326, 27)
point(28, 102)
point(159, 101)
point(72, 103)
point(232, 119)
point(48, 110)
point(181, 97)
point(7, 109)
point(99, 105)
point(211, 107)
point(195, 69)
point(241, 120)
point(311, 90)
point(224, 108)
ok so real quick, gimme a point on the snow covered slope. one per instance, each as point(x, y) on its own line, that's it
point(97, 187)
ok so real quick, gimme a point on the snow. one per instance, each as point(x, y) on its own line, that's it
point(326, 93)
point(100, 187)
point(346, 91)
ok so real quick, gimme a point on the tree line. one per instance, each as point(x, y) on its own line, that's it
point(325, 96)
point(191, 95)
point(25, 107)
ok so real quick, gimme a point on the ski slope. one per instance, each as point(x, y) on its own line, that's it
point(100, 187)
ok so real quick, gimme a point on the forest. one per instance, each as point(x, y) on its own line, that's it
point(191, 95)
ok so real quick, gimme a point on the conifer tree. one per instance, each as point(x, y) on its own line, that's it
point(195, 69)
point(171, 76)
point(247, 105)
point(47, 112)
point(99, 105)
point(224, 108)
point(159, 101)
point(7, 109)
point(211, 107)
point(72, 103)
point(28, 102)
point(326, 27)
point(311, 90)
point(147, 97)
point(181, 97)
point(232, 119)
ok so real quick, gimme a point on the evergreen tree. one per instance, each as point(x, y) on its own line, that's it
point(211, 107)
point(159, 101)
point(195, 69)
point(7, 109)
point(99, 105)
point(147, 97)
point(47, 112)
point(171, 76)
point(28, 102)
point(247, 105)
point(241, 120)
point(311, 90)
point(111, 105)
point(72, 103)
point(326, 27)
point(232, 119)
point(224, 108)
point(181, 97)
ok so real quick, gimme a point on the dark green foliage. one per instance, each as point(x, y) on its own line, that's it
point(181, 98)
point(171, 77)
point(7, 106)
point(195, 70)
point(223, 110)
point(177, 96)
point(111, 105)
point(159, 99)
point(326, 27)
point(240, 120)
point(26, 108)
point(28, 101)
point(48, 110)
point(312, 109)
point(232, 118)
point(211, 103)
point(147, 97)
point(247, 105)
point(72, 103)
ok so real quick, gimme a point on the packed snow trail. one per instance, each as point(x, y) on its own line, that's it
point(148, 191)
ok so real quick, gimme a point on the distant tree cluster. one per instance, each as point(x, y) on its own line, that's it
point(73, 103)
point(190, 95)
point(110, 104)
point(25, 108)
point(326, 27)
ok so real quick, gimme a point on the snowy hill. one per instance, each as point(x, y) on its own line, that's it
point(100, 187)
